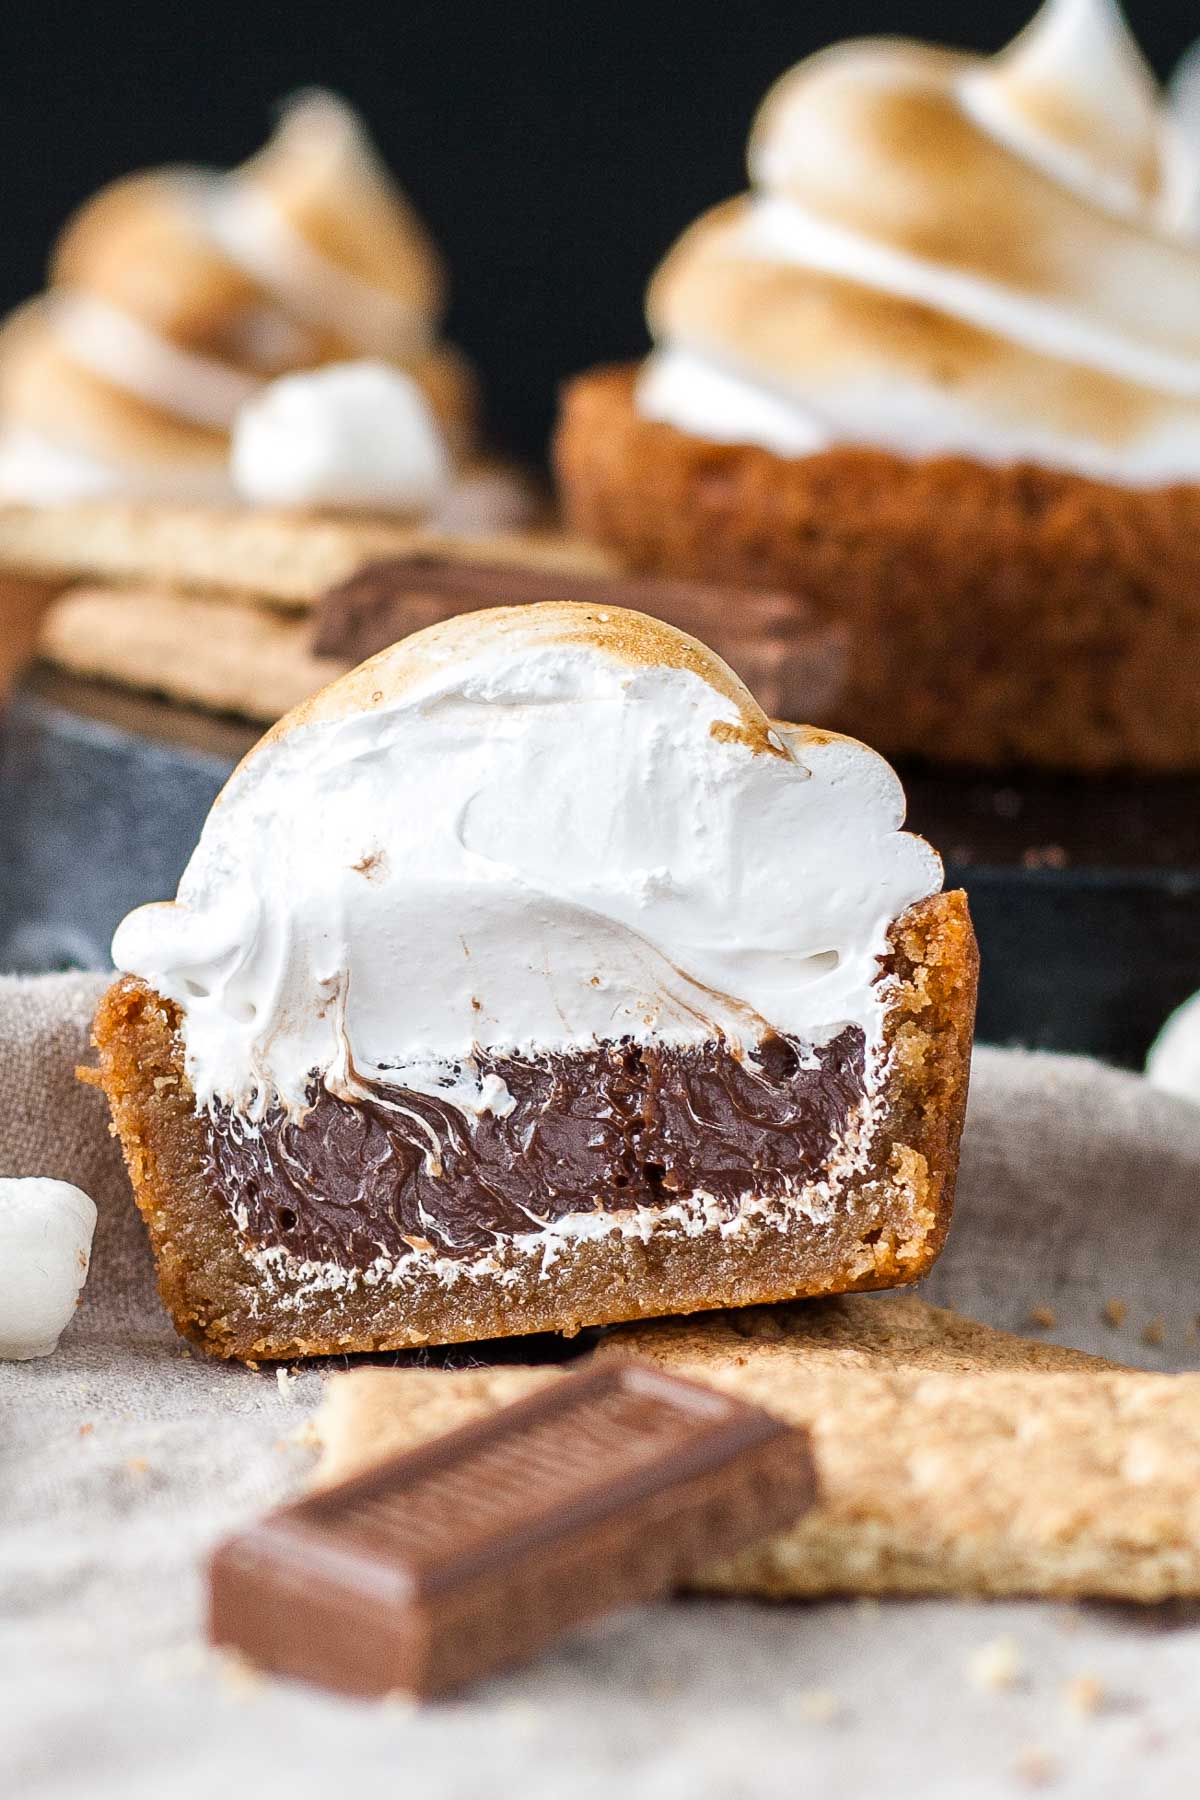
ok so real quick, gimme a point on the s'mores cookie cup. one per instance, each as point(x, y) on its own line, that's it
point(530, 978)
point(235, 391)
point(176, 297)
point(939, 372)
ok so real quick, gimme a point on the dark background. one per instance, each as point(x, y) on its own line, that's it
point(556, 150)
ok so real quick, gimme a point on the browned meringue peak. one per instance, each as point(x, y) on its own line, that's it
point(175, 295)
point(322, 176)
point(141, 246)
point(875, 140)
point(309, 252)
point(1074, 93)
point(1183, 145)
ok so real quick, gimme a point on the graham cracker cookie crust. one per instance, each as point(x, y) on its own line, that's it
point(888, 1230)
point(996, 615)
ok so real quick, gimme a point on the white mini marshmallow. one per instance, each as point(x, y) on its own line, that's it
point(45, 1243)
point(1174, 1060)
point(351, 435)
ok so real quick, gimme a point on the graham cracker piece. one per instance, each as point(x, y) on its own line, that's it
point(897, 1331)
point(216, 653)
point(953, 1459)
point(370, 1414)
point(287, 559)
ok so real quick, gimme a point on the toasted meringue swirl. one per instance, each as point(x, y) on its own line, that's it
point(177, 296)
point(946, 254)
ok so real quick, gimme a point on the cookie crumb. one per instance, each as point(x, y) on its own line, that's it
point(522, 1717)
point(995, 1665)
point(817, 1706)
point(179, 1663)
point(87, 1429)
point(239, 1678)
point(1115, 1313)
point(306, 1435)
point(1154, 1332)
point(1043, 1316)
point(397, 1701)
point(1084, 1694)
point(137, 1465)
point(1035, 1768)
point(1044, 856)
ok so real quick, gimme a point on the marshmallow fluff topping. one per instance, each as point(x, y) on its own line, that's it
point(530, 830)
point(948, 254)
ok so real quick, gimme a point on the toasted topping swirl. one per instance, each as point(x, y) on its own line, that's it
point(946, 254)
point(177, 296)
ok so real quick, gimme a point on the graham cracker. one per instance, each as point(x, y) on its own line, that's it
point(222, 654)
point(282, 558)
point(953, 1459)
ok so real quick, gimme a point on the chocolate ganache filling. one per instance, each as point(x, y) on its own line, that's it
point(619, 1127)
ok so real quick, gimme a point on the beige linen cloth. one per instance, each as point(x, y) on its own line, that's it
point(122, 1458)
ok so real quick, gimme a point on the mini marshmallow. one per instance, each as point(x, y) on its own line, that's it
point(45, 1243)
point(1174, 1060)
point(350, 435)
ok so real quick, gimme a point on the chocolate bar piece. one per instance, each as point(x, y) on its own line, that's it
point(792, 660)
point(472, 1552)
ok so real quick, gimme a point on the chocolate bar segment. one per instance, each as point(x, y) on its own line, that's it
point(792, 659)
point(471, 1553)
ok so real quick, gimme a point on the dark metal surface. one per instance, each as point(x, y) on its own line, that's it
point(93, 820)
point(98, 816)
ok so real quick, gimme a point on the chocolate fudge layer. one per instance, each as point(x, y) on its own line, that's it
point(614, 1130)
point(233, 1282)
point(529, 979)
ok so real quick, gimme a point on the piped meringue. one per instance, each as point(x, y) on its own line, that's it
point(948, 255)
point(526, 830)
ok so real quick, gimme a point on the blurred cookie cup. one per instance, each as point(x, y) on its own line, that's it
point(235, 389)
point(939, 373)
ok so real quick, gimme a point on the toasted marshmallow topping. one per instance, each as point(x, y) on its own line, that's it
point(353, 434)
point(1074, 95)
point(526, 830)
point(944, 254)
point(176, 297)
